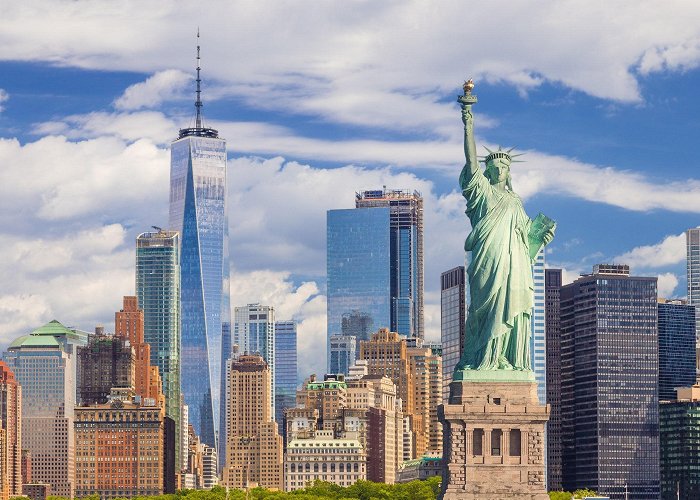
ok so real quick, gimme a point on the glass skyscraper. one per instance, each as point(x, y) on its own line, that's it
point(692, 241)
point(285, 369)
point(198, 213)
point(452, 322)
point(343, 352)
point(553, 328)
point(676, 347)
point(158, 295)
point(609, 400)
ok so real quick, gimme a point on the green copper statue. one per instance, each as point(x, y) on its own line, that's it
point(503, 244)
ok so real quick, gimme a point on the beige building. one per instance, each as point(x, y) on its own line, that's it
point(341, 461)
point(254, 446)
point(417, 374)
point(201, 460)
point(119, 448)
point(11, 428)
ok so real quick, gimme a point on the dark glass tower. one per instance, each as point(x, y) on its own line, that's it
point(285, 369)
point(609, 401)
point(452, 320)
point(552, 292)
point(198, 213)
point(676, 347)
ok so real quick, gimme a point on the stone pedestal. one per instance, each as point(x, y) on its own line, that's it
point(493, 441)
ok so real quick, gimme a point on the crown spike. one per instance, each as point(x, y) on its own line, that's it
point(198, 103)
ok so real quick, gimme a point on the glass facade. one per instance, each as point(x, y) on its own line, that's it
point(198, 213)
point(680, 440)
point(254, 333)
point(358, 266)
point(538, 339)
point(610, 404)
point(357, 324)
point(343, 352)
point(406, 256)
point(676, 347)
point(692, 240)
point(158, 296)
point(285, 369)
point(452, 321)
point(553, 329)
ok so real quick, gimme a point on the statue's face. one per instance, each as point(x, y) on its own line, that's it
point(497, 170)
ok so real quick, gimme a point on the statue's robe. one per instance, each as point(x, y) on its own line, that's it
point(500, 278)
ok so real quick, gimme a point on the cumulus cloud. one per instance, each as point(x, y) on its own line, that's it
point(158, 88)
point(4, 96)
point(671, 250)
point(667, 285)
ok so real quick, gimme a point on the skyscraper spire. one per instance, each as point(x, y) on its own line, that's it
point(198, 129)
point(198, 102)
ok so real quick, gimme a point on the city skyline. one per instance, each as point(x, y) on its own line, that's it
point(91, 118)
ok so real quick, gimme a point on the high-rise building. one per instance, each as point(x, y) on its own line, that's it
point(119, 448)
point(285, 369)
point(254, 333)
point(158, 296)
point(45, 365)
point(106, 361)
point(552, 278)
point(253, 447)
point(692, 241)
point(375, 264)
point(609, 400)
point(128, 325)
point(538, 338)
point(406, 255)
point(676, 347)
point(342, 353)
point(11, 427)
point(357, 324)
point(198, 213)
point(452, 320)
point(679, 424)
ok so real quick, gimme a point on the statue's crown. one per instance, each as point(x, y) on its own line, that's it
point(500, 154)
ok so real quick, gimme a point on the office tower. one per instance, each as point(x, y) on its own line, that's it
point(184, 435)
point(285, 370)
point(357, 324)
point(692, 241)
point(538, 338)
point(452, 320)
point(426, 378)
point(119, 447)
point(342, 353)
point(45, 365)
point(106, 361)
point(198, 213)
point(552, 278)
point(26, 461)
point(158, 296)
point(338, 460)
point(254, 333)
point(11, 427)
point(253, 447)
point(609, 400)
point(676, 347)
point(327, 396)
point(406, 255)
point(128, 325)
point(679, 432)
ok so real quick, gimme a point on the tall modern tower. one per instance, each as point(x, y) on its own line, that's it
point(11, 425)
point(676, 347)
point(538, 339)
point(452, 320)
point(692, 241)
point(609, 401)
point(198, 213)
point(285, 369)
point(552, 279)
point(158, 296)
point(375, 263)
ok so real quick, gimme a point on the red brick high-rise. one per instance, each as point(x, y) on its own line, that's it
point(11, 423)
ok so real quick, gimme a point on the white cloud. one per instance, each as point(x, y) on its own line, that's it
point(4, 96)
point(667, 285)
point(160, 87)
point(671, 250)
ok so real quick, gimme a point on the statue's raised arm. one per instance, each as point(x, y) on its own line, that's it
point(471, 167)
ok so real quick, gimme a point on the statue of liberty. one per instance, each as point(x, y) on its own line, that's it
point(503, 244)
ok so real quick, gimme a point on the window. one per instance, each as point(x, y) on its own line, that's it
point(515, 440)
point(496, 436)
point(478, 442)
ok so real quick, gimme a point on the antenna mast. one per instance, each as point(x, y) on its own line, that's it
point(198, 102)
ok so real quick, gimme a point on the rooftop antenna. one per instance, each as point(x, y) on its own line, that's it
point(198, 102)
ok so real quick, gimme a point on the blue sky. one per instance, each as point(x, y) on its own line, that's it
point(318, 100)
